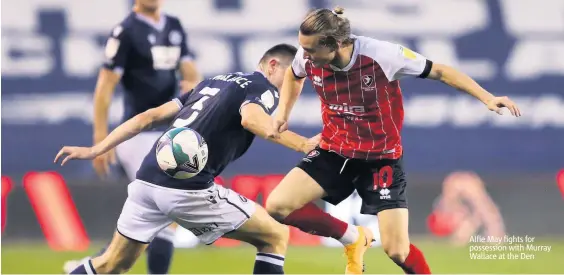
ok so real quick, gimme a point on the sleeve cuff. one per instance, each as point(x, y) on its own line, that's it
point(427, 69)
point(177, 101)
point(186, 58)
point(295, 75)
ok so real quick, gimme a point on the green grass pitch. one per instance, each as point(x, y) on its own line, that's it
point(443, 258)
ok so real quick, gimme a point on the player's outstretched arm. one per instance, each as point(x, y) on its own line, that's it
point(258, 122)
point(463, 82)
point(398, 62)
point(123, 132)
point(289, 94)
point(137, 124)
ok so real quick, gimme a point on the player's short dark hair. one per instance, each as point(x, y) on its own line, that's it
point(331, 25)
point(285, 52)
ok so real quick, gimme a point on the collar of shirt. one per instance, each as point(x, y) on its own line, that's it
point(159, 25)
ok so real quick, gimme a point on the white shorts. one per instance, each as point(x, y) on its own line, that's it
point(131, 152)
point(208, 213)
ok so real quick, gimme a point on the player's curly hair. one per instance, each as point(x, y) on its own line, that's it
point(331, 25)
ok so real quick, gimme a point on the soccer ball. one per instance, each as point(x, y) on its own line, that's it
point(182, 153)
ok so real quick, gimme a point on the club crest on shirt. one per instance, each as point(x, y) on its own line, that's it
point(175, 37)
point(367, 82)
point(152, 38)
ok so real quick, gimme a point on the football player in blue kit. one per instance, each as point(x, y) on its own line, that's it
point(228, 111)
point(144, 52)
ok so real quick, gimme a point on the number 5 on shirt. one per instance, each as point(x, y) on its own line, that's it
point(197, 107)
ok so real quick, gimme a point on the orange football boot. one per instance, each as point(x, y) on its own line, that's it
point(355, 251)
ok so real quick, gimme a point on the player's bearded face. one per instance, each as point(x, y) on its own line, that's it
point(319, 54)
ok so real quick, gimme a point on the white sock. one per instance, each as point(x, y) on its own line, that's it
point(350, 236)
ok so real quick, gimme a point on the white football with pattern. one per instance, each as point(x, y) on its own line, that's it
point(165, 158)
point(188, 141)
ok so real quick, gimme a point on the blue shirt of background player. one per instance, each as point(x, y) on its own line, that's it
point(217, 101)
point(147, 54)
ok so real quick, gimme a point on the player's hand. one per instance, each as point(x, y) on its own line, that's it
point(279, 124)
point(496, 104)
point(102, 163)
point(311, 143)
point(73, 152)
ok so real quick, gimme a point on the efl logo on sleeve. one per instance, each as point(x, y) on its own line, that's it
point(408, 53)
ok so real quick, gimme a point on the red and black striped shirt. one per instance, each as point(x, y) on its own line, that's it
point(362, 104)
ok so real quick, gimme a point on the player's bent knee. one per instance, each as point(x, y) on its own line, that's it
point(284, 200)
point(394, 235)
point(398, 256)
point(396, 251)
point(274, 238)
point(263, 232)
point(278, 209)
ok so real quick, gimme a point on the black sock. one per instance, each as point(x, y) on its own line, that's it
point(159, 256)
point(85, 268)
point(267, 263)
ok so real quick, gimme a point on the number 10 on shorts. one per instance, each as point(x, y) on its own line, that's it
point(382, 181)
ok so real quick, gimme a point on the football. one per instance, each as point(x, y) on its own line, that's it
point(182, 153)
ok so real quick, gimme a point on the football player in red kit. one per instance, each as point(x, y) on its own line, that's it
point(357, 80)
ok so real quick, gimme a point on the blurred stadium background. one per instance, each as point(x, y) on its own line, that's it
point(470, 172)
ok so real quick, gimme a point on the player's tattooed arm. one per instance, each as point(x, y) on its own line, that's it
point(258, 122)
point(289, 94)
point(463, 82)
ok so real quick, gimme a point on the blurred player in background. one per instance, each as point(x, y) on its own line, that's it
point(356, 79)
point(228, 111)
point(465, 209)
point(144, 53)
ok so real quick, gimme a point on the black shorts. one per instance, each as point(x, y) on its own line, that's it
point(380, 183)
